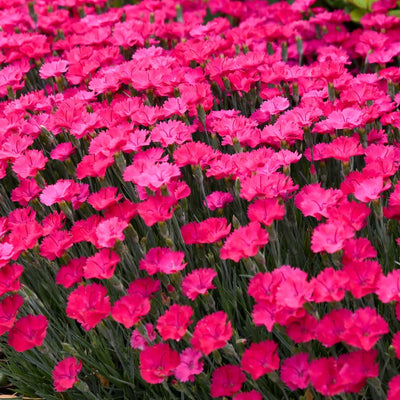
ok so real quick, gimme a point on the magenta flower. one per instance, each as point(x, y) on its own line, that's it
point(89, 305)
point(28, 332)
point(65, 373)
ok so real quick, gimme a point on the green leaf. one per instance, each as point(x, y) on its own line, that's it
point(357, 14)
point(363, 4)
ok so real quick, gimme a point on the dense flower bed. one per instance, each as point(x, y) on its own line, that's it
point(199, 199)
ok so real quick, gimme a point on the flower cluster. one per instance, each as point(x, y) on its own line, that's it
point(206, 192)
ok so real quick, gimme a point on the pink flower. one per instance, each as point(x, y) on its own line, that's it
point(396, 343)
point(394, 388)
point(9, 307)
point(388, 287)
point(315, 201)
point(325, 376)
point(302, 329)
point(329, 285)
point(268, 186)
point(102, 265)
point(160, 259)
point(266, 211)
point(55, 244)
point(104, 198)
point(363, 277)
point(109, 231)
point(189, 366)
point(260, 358)
point(330, 237)
point(129, 309)
point(89, 305)
point(94, 165)
point(71, 273)
point(157, 209)
point(199, 281)
point(53, 69)
point(244, 242)
point(218, 200)
point(365, 328)
point(65, 373)
point(294, 289)
point(358, 249)
point(9, 278)
point(65, 190)
point(154, 176)
point(144, 287)
point(332, 327)
point(23, 236)
point(140, 341)
point(53, 222)
point(295, 371)
point(27, 190)
point(158, 362)
point(193, 153)
point(174, 323)
point(172, 132)
point(227, 380)
point(29, 163)
point(252, 395)
point(28, 332)
point(370, 188)
point(62, 151)
point(210, 230)
point(212, 332)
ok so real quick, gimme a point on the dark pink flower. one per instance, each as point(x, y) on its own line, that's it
point(158, 362)
point(160, 259)
point(28, 332)
point(227, 380)
point(266, 211)
point(129, 309)
point(175, 321)
point(27, 190)
point(10, 278)
point(55, 244)
point(363, 277)
point(157, 209)
point(394, 388)
point(71, 273)
point(208, 231)
point(89, 305)
point(104, 198)
point(212, 332)
point(365, 328)
point(144, 287)
point(260, 358)
point(252, 395)
point(295, 371)
point(218, 200)
point(199, 281)
point(65, 373)
point(102, 265)
point(9, 307)
point(244, 242)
